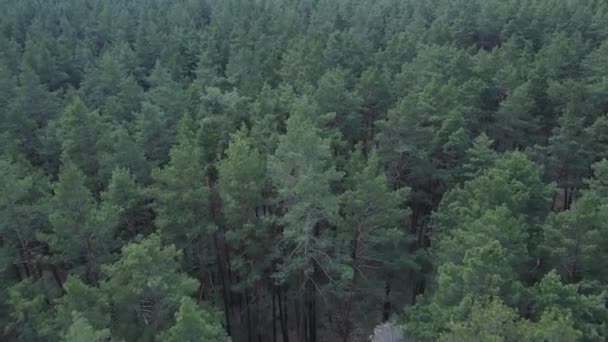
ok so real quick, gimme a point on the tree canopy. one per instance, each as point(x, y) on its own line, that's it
point(289, 170)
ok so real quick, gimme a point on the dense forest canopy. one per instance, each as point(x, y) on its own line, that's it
point(303, 170)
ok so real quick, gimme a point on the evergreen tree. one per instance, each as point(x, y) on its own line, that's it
point(302, 174)
point(88, 302)
point(22, 208)
point(316, 167)
point(366, 234)
point(81, 331)
point(153, 133)
point(109, 88)
point(145, 287)
point(182, 195)
point(128, 202)
point(81, 236)
point(123, 151)
point(243, 189)
point(193, 323)
point(79, 132)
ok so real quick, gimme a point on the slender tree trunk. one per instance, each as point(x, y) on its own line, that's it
point(274, 315)
point(346, 316)
point(24, 264)
point(554, 200)
point(283, 315)
point(220, 266)
point(386, 310)
point(57, 277)
point(257, 317)
point(249, 333)
point(311, 317)
point(300, 318)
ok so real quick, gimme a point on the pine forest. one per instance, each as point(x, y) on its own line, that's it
point(303, 170)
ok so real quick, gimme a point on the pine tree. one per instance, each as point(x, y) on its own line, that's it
point(582, 305)
point(332, 96)
point(193, 323)
point(29, 302)
point(145, 287)
point(89, 302)
point(574, 239)
point(166, 94)
point(244, 192)
point(369, 229)
point(80, 135)
point(182, 193)
point(128, 202)
point(82, 331)
point(24, 193)
point(302, 174)
point(243, 189)
point(154, 133)
point(81, 234)
point(478, 157)
point(109, 88)
point(123, 151)
point(513, 122)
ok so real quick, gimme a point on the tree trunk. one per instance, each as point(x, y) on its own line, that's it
point(248, 308)
point(220, 266)
point(283, 316)
point(274, 315)
point(386, 310)
point(311, 318)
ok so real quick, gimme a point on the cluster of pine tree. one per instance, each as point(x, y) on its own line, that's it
point(302, 170)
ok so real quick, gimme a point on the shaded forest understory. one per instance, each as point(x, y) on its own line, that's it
point(303, 170)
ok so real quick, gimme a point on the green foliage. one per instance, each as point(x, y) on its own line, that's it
point(23, 210)
point(575, 239)
point(182, 197)
point(366, 234)
point(478, 157)
point(81, 233)
point(484, 271)
point(193, 323)
point(513, 181)
point(88, 302)
point(109, 88)
point(145, 287)
point(153, 132)
point(242, 178)
point(82, 331)
point(30, 310)
point(484, 321)
point(311, 168)
point(553, 326)
point(586, 311)
point(302, 174)
point(491, 320)
point(123, 151)
point(242, 188)
point(127, 202)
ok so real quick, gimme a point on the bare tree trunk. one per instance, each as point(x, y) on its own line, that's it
point(257, 320)
point(249, 333)
point(311, 318)
point(283, 315)
point(24, 264)
point(274, 315)
point(57, 277)
point(300, 319)
point(386, 310)
point(220, 266)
